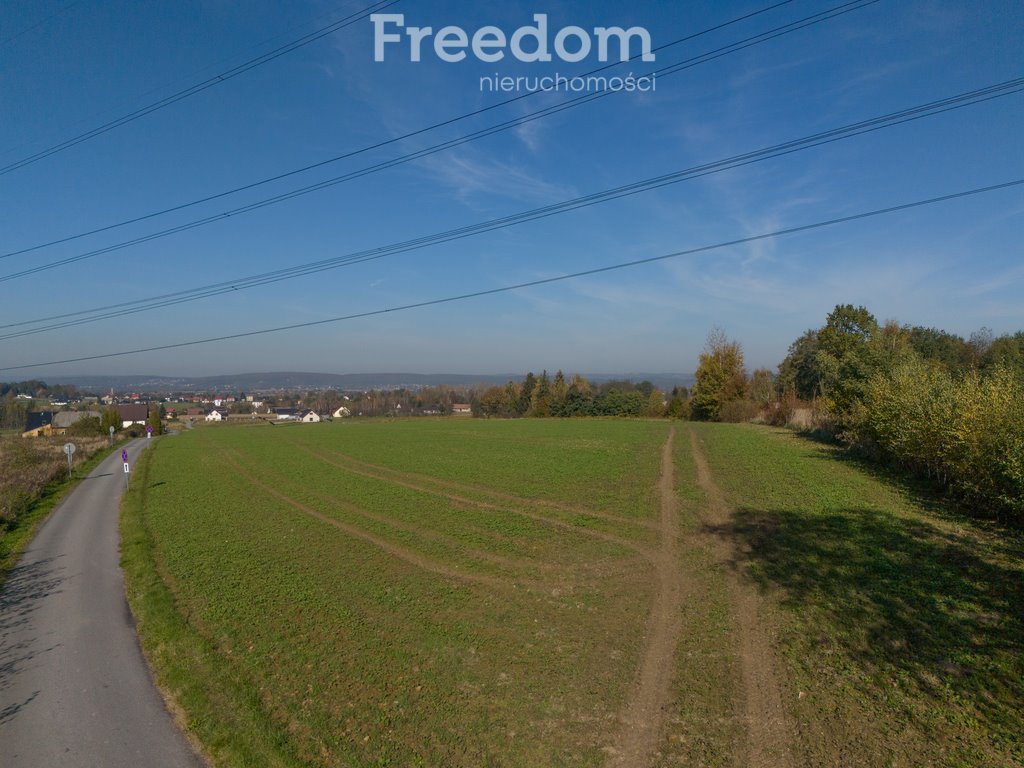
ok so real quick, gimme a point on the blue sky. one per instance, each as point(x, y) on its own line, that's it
point(68, 67)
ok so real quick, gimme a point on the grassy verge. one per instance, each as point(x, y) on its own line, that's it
point(221, 712)
point(903, 620)
point(15, 539)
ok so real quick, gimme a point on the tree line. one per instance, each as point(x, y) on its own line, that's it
point(919, 399)
point(558, 396)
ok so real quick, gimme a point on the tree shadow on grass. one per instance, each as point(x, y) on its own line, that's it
point(904, 599)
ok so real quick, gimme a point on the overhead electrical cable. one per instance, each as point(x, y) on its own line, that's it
point(666, 71)
point(189, 78)
point(891, 119)
point(60, 11)
point(377, 145)
point(534, 283)
point(200, 87)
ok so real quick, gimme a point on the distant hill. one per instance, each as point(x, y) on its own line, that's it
point(298, 380)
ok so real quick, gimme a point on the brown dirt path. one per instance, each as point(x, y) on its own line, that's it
point(762, 709)
point(641, 718)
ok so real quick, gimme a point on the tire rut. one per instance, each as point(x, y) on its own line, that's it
point(400, 552)
point(641, 718)
point(401, 479)
point(763, 712)
point(426, 533)
point(449, 487)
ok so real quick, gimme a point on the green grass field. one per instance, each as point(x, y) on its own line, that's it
point(517, 593)
point(902, 621)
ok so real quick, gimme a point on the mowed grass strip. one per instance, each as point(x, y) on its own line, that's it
point(343, 654)
point(903, 622)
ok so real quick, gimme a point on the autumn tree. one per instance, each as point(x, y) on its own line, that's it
point(800, 373)
point(540, 399)
point(762, 387)
point(110, 418)
point(155, 419)
point(721, 377)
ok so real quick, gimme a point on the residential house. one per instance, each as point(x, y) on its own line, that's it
point(342, 413)
point(286, 414)
point(217, 414)
point(309, 417)
point(38, 424)
point(461, 408)
point(135, 413)
point(64, 419)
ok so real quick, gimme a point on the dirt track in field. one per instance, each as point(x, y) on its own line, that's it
point(400, 552)
point(767, 742)
point(452, 488)
point(641, 718)
point(519, 505)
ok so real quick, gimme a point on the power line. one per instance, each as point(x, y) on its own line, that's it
point(545, 112)
point(190, 77)
point(199, 87)
point(534, 283)
point(378, 145)
point(60, 11)
point(891, 119)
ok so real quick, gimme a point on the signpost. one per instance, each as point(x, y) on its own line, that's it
point(111, 435)
point(124, 458)
point(69, 449)
point(149, 431)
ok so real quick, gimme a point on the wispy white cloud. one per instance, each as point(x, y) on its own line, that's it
point(1006, 279)
point(473, 176)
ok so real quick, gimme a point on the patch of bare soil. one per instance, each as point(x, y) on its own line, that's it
point(641, 719)
point(767, 735)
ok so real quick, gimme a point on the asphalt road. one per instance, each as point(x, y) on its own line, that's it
point(74, 689)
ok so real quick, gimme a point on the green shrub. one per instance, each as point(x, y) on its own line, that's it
point(966, 433)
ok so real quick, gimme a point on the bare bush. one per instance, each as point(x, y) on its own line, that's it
point(27, 466)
